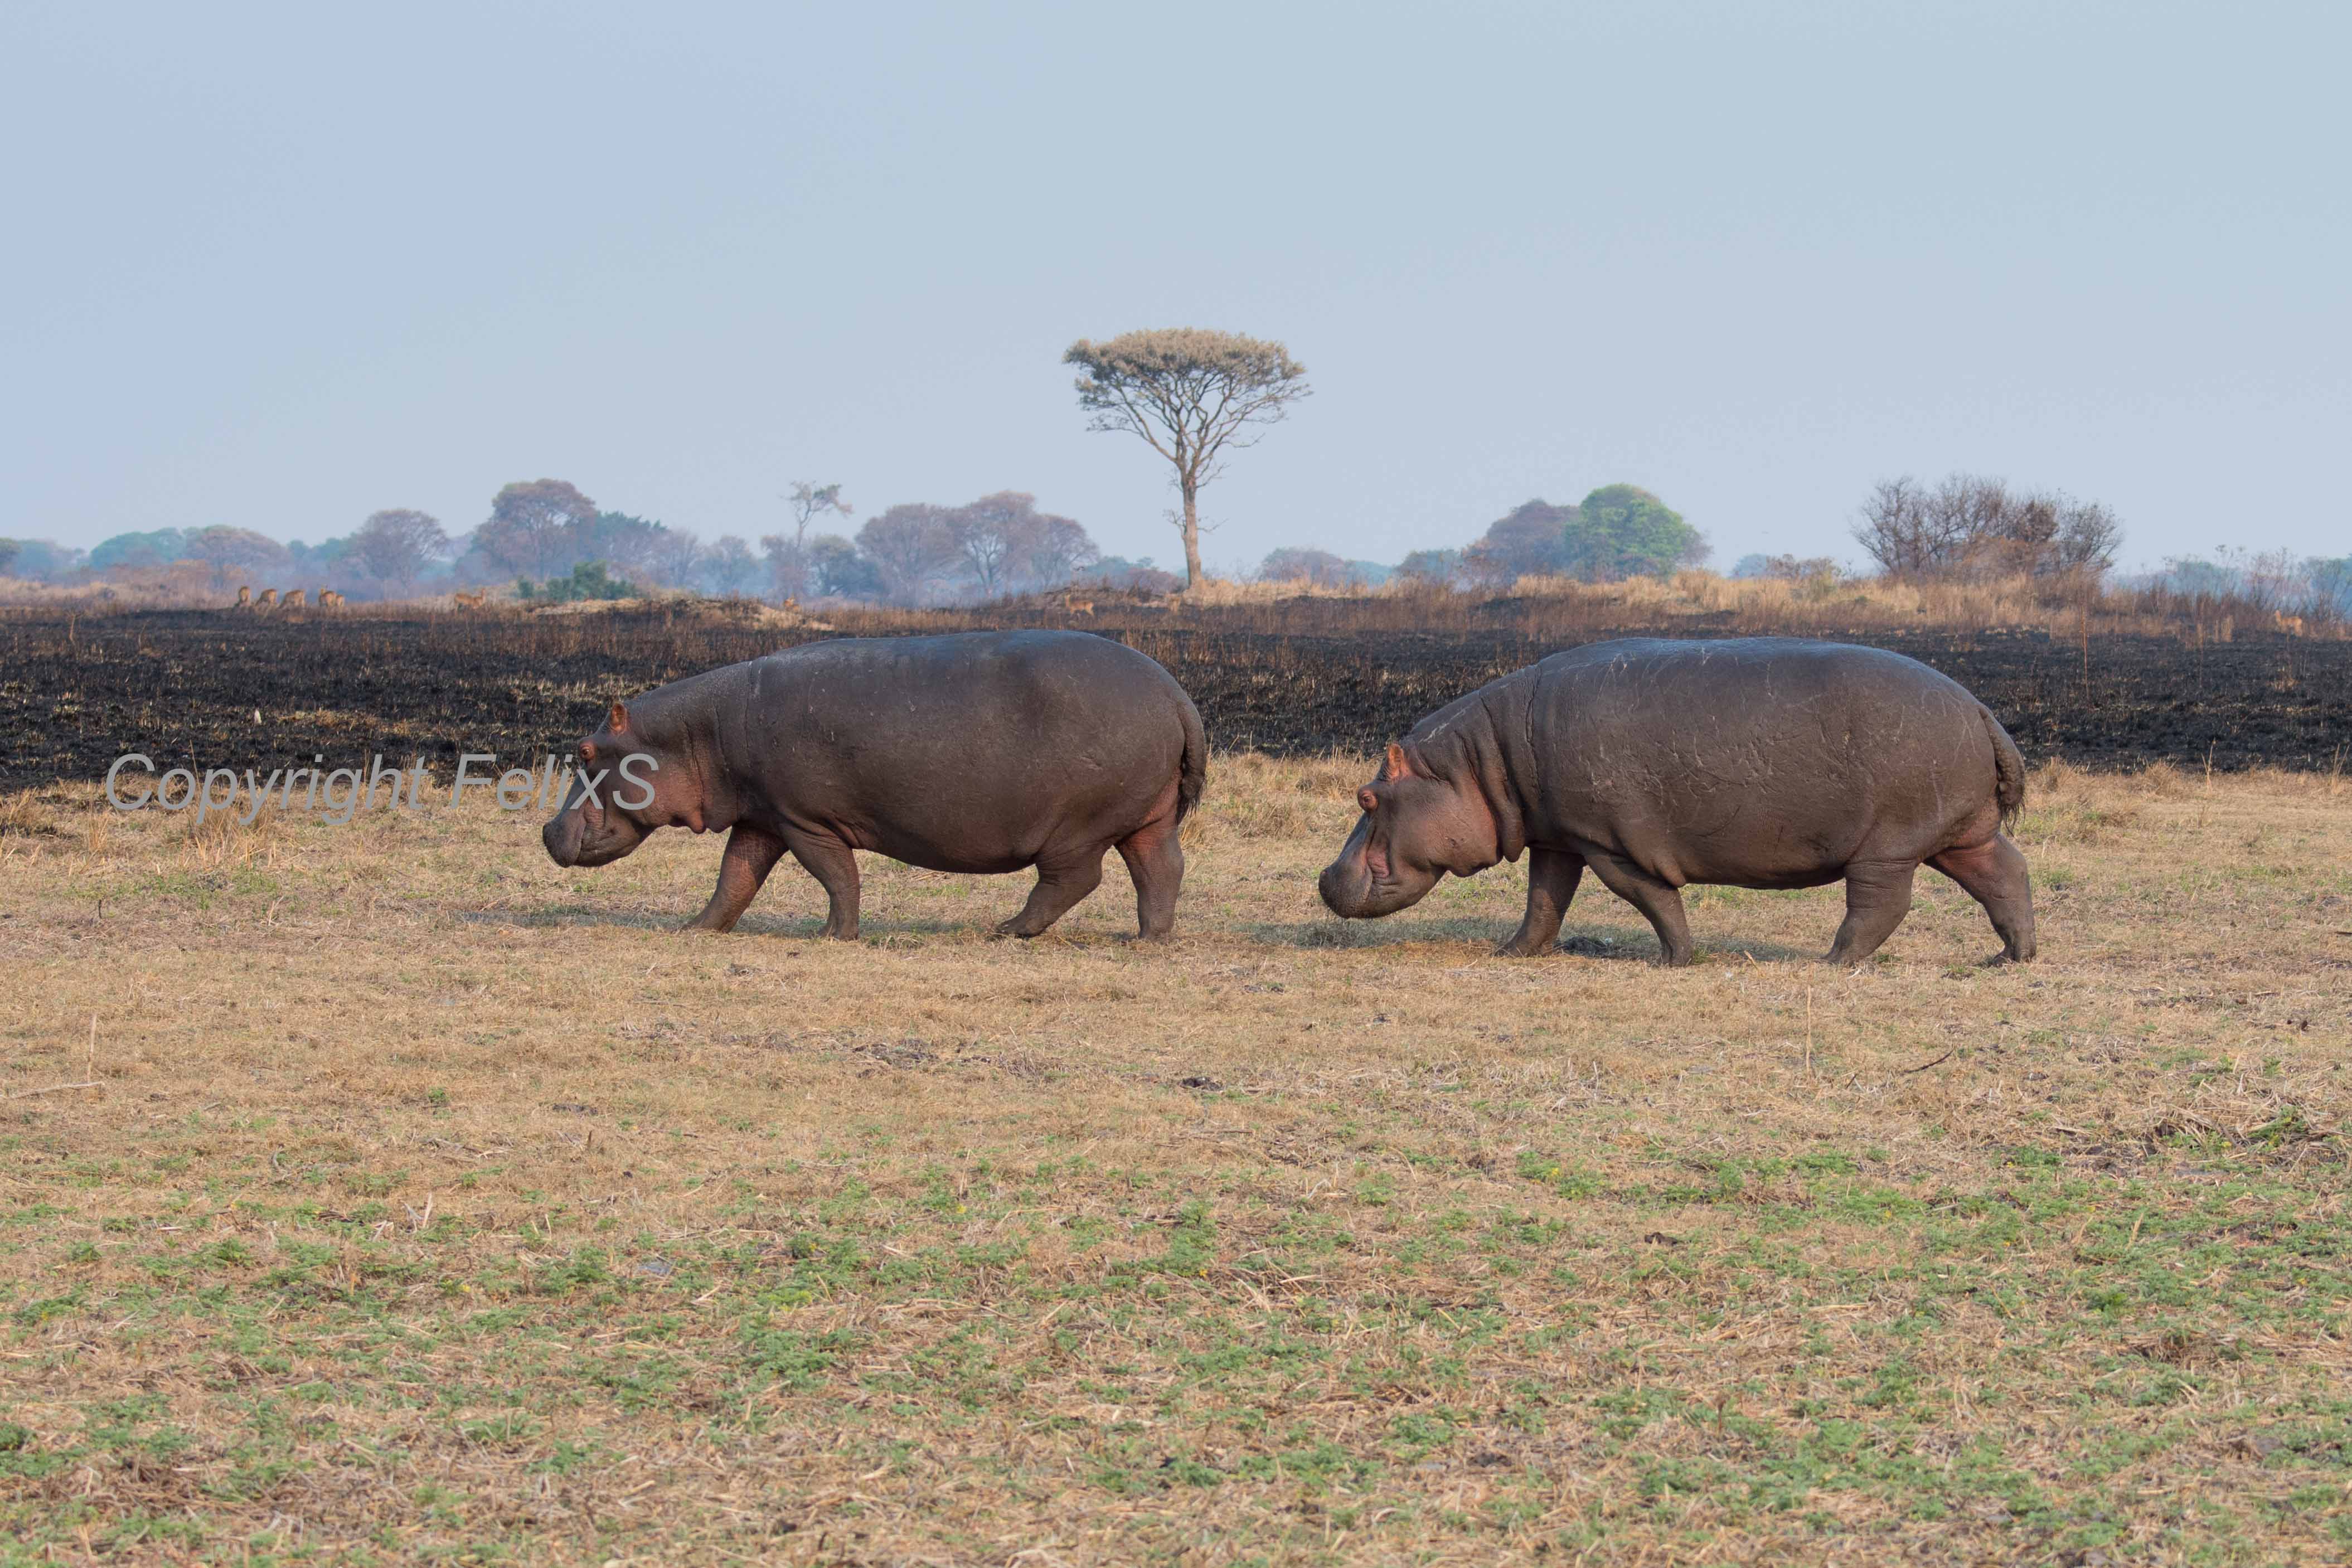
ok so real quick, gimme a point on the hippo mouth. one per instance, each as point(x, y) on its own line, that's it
point(1356, 891)
point(570, 841)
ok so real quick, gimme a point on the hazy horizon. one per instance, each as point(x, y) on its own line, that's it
point(285, 268)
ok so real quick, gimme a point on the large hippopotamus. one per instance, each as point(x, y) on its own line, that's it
point(986, 751)
point(1760, 762)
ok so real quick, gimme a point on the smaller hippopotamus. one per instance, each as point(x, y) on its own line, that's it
point(985, 752)
point(1759, 762)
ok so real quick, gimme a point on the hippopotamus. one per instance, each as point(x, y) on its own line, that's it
point(985, 752)
point(1754, 762)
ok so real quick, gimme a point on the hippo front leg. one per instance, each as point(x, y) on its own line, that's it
point(1552, 876)
point(751, 853)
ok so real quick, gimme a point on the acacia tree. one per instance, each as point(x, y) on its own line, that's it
point(394, 545)
point(1191, 393)
point(788, 556)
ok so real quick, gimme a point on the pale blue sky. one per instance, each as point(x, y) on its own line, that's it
point(281, 266)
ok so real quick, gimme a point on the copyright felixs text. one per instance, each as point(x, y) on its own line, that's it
point(341, 793)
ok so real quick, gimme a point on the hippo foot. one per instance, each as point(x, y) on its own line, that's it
point(1514, 947)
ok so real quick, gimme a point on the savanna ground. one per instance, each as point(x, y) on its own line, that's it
point(383, 1192)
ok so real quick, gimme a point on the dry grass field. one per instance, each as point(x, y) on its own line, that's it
point(383, 1192)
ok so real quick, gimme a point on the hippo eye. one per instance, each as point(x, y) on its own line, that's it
point(587, 751)
point(1367, 800)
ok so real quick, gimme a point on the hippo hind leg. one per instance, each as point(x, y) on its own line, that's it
point(1061, 883)
point(1877, 898)
point(1155, 862)
point(1661, 904)
point(1994, 874)
point(835, 866)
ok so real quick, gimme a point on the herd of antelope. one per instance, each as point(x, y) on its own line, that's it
point(295, 599)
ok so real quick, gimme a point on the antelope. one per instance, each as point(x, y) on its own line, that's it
point(293, 600)
point(268, 599)
point(470, 601)
point(1072, 605)
point(330, 600)
point(245, 599)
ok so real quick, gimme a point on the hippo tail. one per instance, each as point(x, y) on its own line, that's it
point(1193, 772)
point(2008, 769)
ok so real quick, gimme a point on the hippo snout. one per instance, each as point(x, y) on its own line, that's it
point(1344, 887)
point(561, 837)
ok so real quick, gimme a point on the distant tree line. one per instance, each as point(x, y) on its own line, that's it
point(1616, 532)
point(2269, 579)
point(553, 542)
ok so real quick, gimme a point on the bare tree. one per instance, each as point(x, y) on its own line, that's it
point(1190, 393)
point(1005, 543)
point(987, 537)
point(394, 545)
point(1971, 524)
point(1056, 549)
point(911, 547)
point(788, 555)
point(2088, 535)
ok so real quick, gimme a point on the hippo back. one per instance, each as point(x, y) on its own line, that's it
point(1757, 761)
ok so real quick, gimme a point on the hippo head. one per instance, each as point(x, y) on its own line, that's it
point(624, 786)
point(1415, 828)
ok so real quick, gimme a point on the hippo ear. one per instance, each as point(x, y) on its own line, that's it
point(620, 721)
point(1396, 766)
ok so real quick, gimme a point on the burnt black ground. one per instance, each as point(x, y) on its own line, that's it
point(212, 689)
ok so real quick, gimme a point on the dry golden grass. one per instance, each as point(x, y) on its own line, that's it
point(380, 1191)
point(1780, 606)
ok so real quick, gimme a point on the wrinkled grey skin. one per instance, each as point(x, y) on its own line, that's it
point(988, 751)
point(1760, 762)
